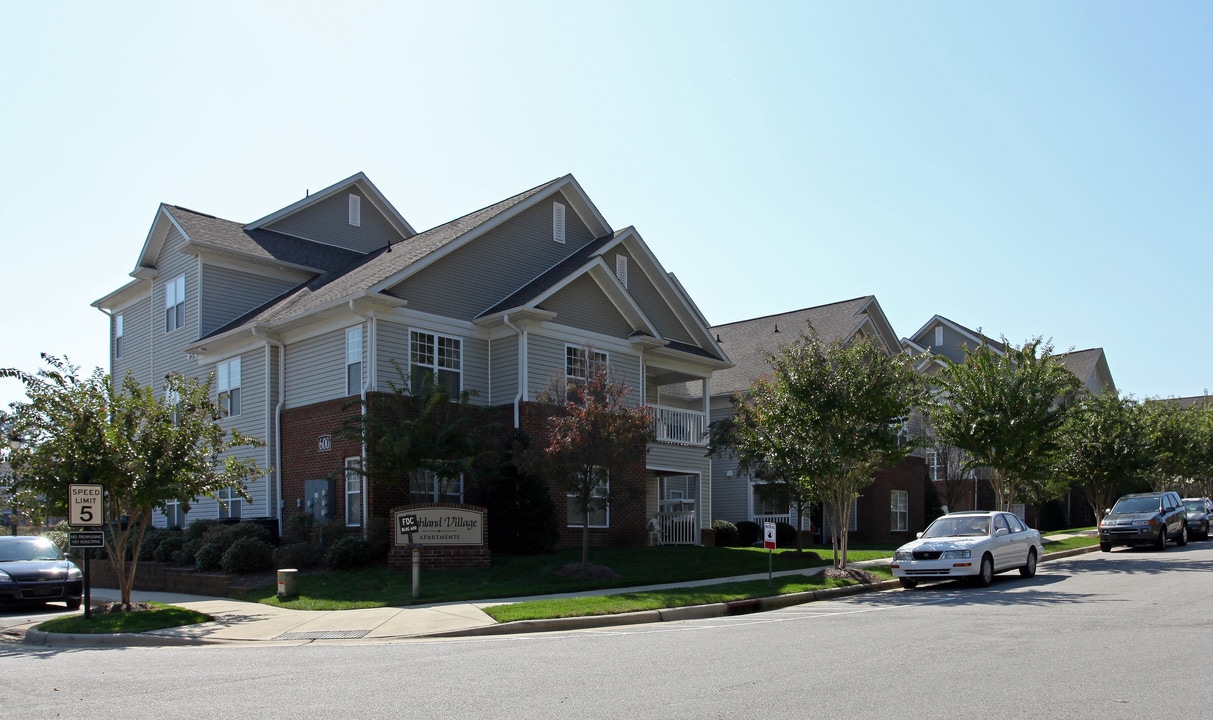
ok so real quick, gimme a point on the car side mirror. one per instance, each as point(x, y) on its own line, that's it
point(1001, 531)
point(918, 535)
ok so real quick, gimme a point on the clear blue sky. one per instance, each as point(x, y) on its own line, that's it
point(1036, 168)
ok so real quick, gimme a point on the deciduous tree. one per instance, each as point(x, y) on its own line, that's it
point(1103, 448)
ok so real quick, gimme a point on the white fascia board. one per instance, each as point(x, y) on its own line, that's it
point(156, 236)
point(672, 292)
point(880, 323)
point(584, 207)
point(598, 271)
point(244, 262)
point(929, 324)
point(364, 184)
point(124, 296)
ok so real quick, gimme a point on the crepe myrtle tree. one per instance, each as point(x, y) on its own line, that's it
point(596, 437)
point(145, 451)
point(1104, 448)
point(1005, 410)
point(1177, 440)
point(823, 422)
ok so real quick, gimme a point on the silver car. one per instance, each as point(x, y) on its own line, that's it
point(969, 544)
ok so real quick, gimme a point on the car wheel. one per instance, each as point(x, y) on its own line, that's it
point(1183, 535)
point(908, 583)
point(1160, 544)
point(985, 574)
point(73, 603)
point(1029, 568)
point(1106, 547)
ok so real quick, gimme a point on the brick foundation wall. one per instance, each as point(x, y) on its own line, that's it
point(302, 458)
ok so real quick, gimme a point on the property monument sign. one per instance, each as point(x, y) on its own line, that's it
point(439, 525)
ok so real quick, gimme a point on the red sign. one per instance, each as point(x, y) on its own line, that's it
point(768, 535)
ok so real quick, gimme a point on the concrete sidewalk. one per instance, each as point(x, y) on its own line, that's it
point(238, 622)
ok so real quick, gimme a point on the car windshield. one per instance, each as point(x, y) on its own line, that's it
point(1194, 505)
point(959, 527)
point(29, 549)
point(1137, 505)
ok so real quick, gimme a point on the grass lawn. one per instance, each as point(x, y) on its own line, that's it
point(158, 618)
point(525, 576)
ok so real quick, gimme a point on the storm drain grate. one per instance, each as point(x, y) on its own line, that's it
point(324, 635)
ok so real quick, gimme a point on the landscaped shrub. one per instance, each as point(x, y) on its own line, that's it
point(726, 533)
point(348, 552)
point(152, 540)
point(748, 533)
point(208, 556)
point(298, 528)
point(785, 535)
point(525, 499)
point(247, 555)
point(298, 555)
point(379, 535)
point(227, 533)
point(198, 528)
point(167, 549)
point(185, 555)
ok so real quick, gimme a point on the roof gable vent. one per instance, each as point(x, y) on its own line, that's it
point(621, 269)
point(355, 210)
point(558, 222)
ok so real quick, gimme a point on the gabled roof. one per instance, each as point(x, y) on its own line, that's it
point(358, 180)
point(1089, 366)
point(748, 342)
point(920, 338)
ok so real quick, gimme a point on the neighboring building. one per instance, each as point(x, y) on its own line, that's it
point(307, 308)
point(890, 510)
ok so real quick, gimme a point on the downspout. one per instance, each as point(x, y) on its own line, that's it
point(371, 348)
point(522, 370)
point(276, 430)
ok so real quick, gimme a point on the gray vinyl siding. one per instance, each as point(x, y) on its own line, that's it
point(137, 321)
point(328, 221)
point(690, 461)
point(503, 359)
point(394, 345)
point(168, 348)
point(475, 277)
point(730, 495)
point(650, 300)
point(228, 294)
point(316, 368)
point(545, 366)
point(581, 304)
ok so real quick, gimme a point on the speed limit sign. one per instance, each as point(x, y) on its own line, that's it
point(84, 506)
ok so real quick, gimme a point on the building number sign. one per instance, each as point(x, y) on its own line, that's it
point(325, 443)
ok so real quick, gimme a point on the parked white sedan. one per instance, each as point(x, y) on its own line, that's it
point(969, 544)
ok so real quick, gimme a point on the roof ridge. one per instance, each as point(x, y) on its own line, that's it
point(793, 312)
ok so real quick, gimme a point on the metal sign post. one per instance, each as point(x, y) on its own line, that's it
point(768, 541)
point(86, 540)
point(408, 526)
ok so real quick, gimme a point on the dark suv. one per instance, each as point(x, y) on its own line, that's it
point(1145, 519)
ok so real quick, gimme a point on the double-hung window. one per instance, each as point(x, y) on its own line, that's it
point(119, 330)
point(353, 360)
point(582, 363)
point(599, 510)
point(228, 380)
point(899, 511)
point(174, 514)
point(229, 504)
point(353, 491)
point(429, 488)
point(174, 303)
point(436, 359)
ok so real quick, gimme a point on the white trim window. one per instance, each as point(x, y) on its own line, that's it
point(174, 304)
point(766, 503)
point(581, 362)
point(119, 331)
point(353, 360)
point(435, 358)
point(899, 511)
point(933, 464)
point(600, 506)
point(429, 488)
point(229, 504)
point(174, 514)
point(227, 381)
point(353, 491)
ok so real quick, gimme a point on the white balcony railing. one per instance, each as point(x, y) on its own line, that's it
point(679, 427)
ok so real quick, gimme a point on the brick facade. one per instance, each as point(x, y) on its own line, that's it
point(302, 458)
point(874, 516)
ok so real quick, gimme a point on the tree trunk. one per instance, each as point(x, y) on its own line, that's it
point(585, 535)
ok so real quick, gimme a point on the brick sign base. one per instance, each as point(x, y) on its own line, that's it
point(400, 557)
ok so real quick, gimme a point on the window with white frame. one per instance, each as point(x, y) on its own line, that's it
point(229, 504)
point(174, 303)
point(435, 358)
point(174, 514)
point(899, 511)
point(353, 360)
point(768, 500)
point(227, 378)
point(353, 491)
point(119, 331)
point(427, 487)
point(600, 507)
point(581, 363)
point(933, 464)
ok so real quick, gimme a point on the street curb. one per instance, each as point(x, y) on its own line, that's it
point(49, 639)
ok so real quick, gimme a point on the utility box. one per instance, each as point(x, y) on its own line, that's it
point(288, 583)
point(318, 498)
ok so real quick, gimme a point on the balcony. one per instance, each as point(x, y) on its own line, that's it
point(679, 427)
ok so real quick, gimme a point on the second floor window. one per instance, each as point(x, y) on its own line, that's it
point(899, 511)
point(353, 361)
point(174, 304)
point(438, 359)
point(228, 379)
point(118, 333)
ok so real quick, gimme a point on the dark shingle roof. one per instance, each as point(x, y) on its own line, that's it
point(225, 235)
point(555, 274)
point(748, 342)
